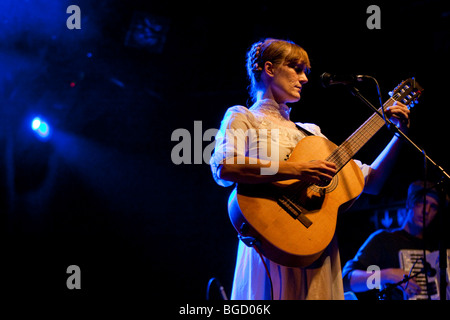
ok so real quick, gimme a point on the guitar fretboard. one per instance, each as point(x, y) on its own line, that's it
point(346, 151)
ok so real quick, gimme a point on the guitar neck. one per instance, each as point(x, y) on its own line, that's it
point(346, 151)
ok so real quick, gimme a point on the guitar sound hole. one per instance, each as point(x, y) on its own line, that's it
point(326, 185)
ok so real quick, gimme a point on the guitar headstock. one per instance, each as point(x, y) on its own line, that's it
point(407, 92)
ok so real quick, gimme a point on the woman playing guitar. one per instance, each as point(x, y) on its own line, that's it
point(277, 70)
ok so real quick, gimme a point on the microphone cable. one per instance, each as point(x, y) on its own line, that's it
point(379, 98)
point(219, 285)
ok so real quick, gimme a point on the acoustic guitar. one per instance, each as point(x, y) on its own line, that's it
point(292, 222)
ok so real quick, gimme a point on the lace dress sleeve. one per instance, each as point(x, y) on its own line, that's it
point(230, 140)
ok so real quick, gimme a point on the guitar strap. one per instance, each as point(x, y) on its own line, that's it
point(306, 132)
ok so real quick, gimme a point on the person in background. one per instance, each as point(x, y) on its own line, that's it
point(383, 246)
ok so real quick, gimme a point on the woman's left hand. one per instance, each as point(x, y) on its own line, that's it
point(398, 113)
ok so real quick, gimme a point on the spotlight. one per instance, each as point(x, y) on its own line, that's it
point(40, 127)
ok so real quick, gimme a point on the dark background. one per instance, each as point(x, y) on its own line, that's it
point(103, 192)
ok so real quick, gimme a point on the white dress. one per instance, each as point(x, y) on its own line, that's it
point(322, 280)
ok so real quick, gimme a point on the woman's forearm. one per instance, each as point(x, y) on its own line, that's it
point(252, 170)
point(382, 167)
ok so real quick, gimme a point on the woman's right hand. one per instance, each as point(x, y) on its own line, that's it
point(318, 172)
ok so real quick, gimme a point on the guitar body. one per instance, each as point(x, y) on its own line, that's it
point(293, 222)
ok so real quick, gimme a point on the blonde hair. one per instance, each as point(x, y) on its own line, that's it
point(276, 51)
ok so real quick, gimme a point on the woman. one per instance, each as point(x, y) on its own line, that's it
point(277, 71)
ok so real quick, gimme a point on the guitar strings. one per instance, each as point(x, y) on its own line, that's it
point(345, 152)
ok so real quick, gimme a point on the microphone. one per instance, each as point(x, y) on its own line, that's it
point(328, 79)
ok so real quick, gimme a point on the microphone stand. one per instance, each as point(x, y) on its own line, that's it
point(385, 293)
point(442, 245)
point(445, 176)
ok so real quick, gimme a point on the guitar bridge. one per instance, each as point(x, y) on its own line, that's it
point(294, 210)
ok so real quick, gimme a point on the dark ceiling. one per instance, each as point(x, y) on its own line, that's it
point(103, 193)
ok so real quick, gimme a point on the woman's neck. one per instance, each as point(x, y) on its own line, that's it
point(282, 107)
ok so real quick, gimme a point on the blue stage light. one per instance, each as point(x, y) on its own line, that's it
point(40, 127)
point(35, 123)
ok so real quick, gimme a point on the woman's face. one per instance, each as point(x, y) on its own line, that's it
point(287, 82)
